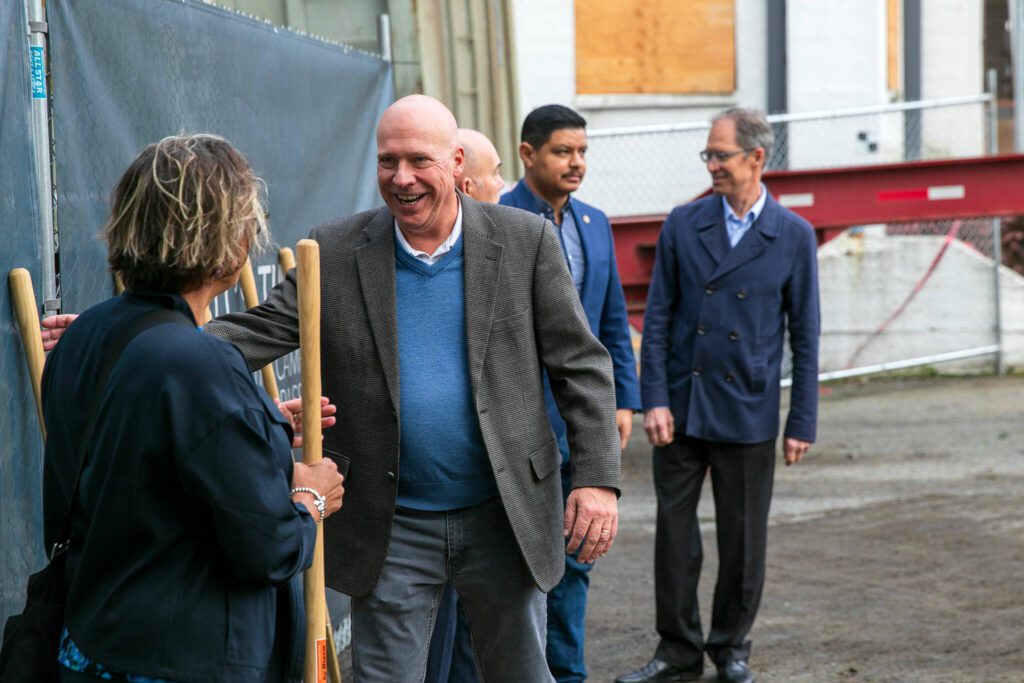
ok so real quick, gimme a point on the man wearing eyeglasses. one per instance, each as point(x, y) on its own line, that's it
point(733, 272)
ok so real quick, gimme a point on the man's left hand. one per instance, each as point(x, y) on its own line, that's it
point(624, 423)
point(795, 450)
point(591, 522)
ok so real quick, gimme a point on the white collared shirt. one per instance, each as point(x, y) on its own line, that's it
point(737, 227)
point(442, 249)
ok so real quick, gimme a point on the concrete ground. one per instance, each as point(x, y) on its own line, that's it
point(896, 549)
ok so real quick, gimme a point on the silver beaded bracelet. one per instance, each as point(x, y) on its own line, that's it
point(321, 501)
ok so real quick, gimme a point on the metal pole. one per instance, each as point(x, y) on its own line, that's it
point(992, 87)
point(37, 30)
point(384, 36)
point(997, 226)
point(900, 364)
point(997, 258)
point(916, 105)
point(778, 82)
point(912, 42)
point(1017, 57)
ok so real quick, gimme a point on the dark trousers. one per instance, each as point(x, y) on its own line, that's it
point(741, 479)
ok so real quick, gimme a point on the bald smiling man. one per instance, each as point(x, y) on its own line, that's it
point(438, 314)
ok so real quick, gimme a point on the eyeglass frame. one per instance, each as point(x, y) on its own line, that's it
point(720, 157)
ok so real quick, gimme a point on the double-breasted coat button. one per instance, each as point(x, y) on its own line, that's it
point(742, 294)
point(697, 371)
point(710, 289)
point(391, 476)
point(734, 335)
point(702, 330)
point(729, 377)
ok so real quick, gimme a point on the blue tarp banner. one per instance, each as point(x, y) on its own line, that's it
point(21, 448)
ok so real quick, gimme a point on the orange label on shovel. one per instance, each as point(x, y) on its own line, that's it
point(321, 660)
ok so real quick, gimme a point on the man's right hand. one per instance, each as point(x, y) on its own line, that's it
point(53, 328)
point(292, 411)
point(659, 425)
point(324, 478)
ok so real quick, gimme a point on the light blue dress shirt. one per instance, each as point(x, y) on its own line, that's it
point(569, 236)
point(573, 246)
point(737, 227)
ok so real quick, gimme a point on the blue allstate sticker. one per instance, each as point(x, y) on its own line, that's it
point(38, 73)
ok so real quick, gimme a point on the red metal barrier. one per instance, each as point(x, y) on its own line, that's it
point(834, 199)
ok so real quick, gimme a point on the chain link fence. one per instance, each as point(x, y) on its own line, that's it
point(650, 169)
point(892, 296)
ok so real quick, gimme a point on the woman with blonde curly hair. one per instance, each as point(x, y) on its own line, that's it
point(189, 523)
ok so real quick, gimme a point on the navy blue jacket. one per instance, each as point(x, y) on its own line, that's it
point(186, 547)
point(603, 301)
point(716, 321)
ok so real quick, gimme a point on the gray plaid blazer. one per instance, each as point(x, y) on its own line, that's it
point(522, 313)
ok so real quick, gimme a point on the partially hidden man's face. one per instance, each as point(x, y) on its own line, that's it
point(416, 169)
point(558, 167)
point(486, 176)
point(741, 170)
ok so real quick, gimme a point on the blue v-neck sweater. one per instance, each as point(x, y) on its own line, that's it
point(444, 462)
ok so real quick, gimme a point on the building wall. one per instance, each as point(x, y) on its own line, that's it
point(839, 54)
point(546, 69)
point(544, 35)
point(838, 58)
point(952, 64)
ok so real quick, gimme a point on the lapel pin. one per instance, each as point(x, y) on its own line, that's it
point(586, 218)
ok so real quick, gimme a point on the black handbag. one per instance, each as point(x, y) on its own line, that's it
point(32, 638)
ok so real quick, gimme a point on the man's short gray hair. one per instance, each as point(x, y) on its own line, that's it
point(752, 129)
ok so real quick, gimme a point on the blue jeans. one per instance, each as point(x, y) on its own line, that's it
point(567, 605)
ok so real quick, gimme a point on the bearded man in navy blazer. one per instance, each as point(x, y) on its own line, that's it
point(553, 147)
point(733, 272)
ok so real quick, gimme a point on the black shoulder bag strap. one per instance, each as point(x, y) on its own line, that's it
point(32, 638)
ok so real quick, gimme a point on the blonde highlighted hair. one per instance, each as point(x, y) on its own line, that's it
point(185, 212)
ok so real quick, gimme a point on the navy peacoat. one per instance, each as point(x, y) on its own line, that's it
point(716, 322)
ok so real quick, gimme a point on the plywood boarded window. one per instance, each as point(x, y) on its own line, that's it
point(655, 46)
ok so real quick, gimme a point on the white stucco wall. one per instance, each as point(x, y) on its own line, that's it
point(837, 58)
point(836, 53)
point(952, 64)
point(544, 35)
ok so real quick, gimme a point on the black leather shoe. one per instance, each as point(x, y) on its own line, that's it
point(735, 671)
point(658, 671)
